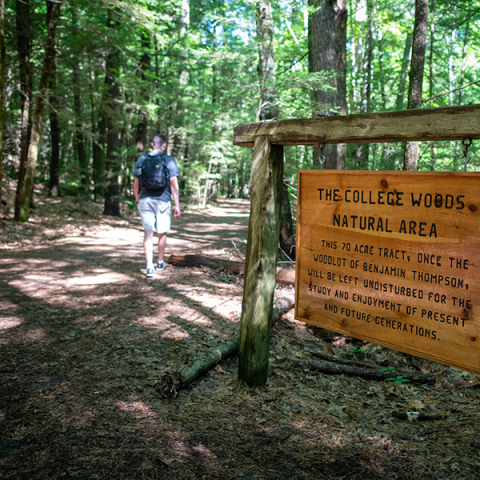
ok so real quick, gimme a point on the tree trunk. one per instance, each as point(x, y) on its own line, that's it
point(141, 133)
point(402, 84)
point(287, 242)
point(32, 157)
point(2, 85)
point(171, 382)
point(266, 61)
point(98, 146)
point(431, 76)
point(112, 166)
point(460, 85)
point(79, 138)
point(24, 51)
point(383, 93)
point(410, 156)
point(99, 134)
point(327, 33)
point(363, 150)
point(179, 146)
point(54, 187)
point(261, 261)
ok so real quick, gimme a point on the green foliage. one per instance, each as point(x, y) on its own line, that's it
point(398, 379)
point(358, 350)
point(196, 88)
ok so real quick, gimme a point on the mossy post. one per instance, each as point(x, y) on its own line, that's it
point(261, 262)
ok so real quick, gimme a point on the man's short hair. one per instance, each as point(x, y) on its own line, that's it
point(159, 141)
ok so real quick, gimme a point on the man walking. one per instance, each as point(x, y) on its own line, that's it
point(155, 180)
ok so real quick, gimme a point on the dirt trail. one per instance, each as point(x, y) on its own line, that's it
point(84, 337)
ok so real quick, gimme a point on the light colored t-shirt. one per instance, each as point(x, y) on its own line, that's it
point(173, 171)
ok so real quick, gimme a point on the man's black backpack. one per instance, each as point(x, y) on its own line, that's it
point(154, 174)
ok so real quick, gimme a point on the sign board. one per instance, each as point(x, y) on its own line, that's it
point(392, 258)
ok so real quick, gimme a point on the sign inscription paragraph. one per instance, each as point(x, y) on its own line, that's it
point(392, 258)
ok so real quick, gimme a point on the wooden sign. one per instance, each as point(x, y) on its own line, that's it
point(392, 258)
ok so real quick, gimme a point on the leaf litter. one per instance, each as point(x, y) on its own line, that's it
point(84, 338)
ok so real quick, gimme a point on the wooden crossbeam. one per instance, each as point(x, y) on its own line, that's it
point(434, 124)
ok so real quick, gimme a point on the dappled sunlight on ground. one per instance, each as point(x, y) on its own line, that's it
point(169, 329)
point(9, 322)
point(139, 410)
point(103, 278)
point(25, 336)
point(85, 339)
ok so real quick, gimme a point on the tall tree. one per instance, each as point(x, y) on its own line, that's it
point(2, 87)
point(363, 150)
point(402, 84)
point(112, 90)
point(141, 134)
point(24, 52)
point(21, 214)
point(268, 109)
point(327, 33)
point(99, 127)
point(179, 147)
point(54, 187)
point(410, 156)
point(79, 138)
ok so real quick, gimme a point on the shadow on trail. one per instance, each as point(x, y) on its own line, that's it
point(85, 365)
point(84, 336)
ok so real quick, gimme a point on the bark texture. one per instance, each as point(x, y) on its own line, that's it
point(54, 187)
point(2, 85)
point(24, 51)
point(79, 137)
point(266, 61)
point(99, 129)
point(178, 148)
point(141, 145)
point(366, 373)
point(287, 240)
point(327, 34)
point(284, 276)
point(112, 90)
point(434, 124)
point(410, 157)
point(31, 165)
point(402, 84)
point(171, 382)
point(363, 150)
point(261, 262)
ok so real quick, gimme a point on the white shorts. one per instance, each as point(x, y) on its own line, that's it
point(156, 215)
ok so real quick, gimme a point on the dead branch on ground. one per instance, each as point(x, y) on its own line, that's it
point(284, 276)
point(366, 373)
point(172, 381)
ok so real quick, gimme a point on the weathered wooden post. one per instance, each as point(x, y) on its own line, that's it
point(261, 262)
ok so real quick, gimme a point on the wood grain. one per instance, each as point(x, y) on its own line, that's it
point(375, 265)
point(261, 262)
point(435, 124)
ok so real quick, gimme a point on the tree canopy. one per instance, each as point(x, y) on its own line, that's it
point(126, 70)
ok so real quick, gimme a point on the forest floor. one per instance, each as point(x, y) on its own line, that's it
point(84, 338)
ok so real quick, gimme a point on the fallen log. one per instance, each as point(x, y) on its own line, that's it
point(285, 276)
point(468, 385)
point(204, 261)
point(335, 359)
point(353, 363)
point(172, 381)
point(366, 373)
